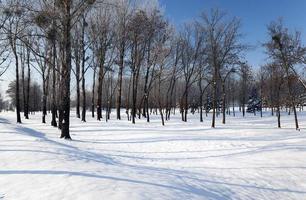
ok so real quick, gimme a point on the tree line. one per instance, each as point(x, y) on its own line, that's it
point(135, 60)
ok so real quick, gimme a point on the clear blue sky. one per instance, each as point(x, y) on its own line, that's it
point(254, 14)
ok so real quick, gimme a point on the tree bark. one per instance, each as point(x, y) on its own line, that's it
point(93, 93)
point(17, 86)
point(26, 111)
point(53, 112)
point(66, 71)
point(120, 73)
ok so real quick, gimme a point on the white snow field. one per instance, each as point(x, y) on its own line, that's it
point(248, 158)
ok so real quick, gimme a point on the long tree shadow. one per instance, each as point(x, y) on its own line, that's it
point(186, 189)
point(4, 121)
point(70, 150)
point(195, 138)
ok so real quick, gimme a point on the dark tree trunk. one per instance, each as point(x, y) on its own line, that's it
point(53, 121)
point(83, 95)
point(214, 101)
point(278, 105)
point(66, 71)
point(243, 106)
point(292, 101)
point(223, 104)
point(17, 87)
point(120, 73)
point(261, 98)
point(78, 89)
point(134, 97)
point(100, 84)
point(147, 108)
point(93, 93)
point(44, 102)
point(26, 111)
point(186, 104)
point(134, 93)
point(23, 86)
point(83, 72)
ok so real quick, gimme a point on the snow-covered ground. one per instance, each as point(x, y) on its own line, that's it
point(248, 158)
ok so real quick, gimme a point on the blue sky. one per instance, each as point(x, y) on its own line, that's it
point(255, 15)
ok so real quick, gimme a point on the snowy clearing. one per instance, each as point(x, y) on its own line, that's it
point(248, 158)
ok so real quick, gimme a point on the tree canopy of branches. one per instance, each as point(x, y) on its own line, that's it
point(120, 54)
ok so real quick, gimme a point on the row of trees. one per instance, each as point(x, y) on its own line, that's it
point(133, 58)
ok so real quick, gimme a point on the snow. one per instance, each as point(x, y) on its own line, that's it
point(248, 158)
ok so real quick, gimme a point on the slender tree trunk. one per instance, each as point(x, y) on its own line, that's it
point(53, 112)
point(147, 108)
point(17, 86)
point(26, 111)
point(84, 99)
point(44, 102)
point(243, 106)
point(134, 97)
point(100, 84)
point(186, 104)
point(78, 88)
point(23, 85)
point(120, 73)
point(223, 102)
point(292, 101)
point(93, 94)
point(278, 110)
point(214, 101)
point(261, 99)
point(83, 72)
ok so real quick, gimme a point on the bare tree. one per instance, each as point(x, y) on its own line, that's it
point(245, 77)
point(43, 48)
point(137, 28)
point(287, 49)
point(122, 17)
point(191, 40)
point(13, 27)
point(222, 47)
point(101, 37)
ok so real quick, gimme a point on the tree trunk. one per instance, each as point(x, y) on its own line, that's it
point(53, 113)
point(120, 73)
point(214, 100)
point(77, 75)
point(44, 102)
point(84, 99)
point(134, 97)
point(83, 72)
point(17, 87)
point(23, 86)
point(292, 102)
point(26, 111)
point(66, 71)
point(186, 104)
point(93, 94)
point(100, 84)
point(223, 103)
